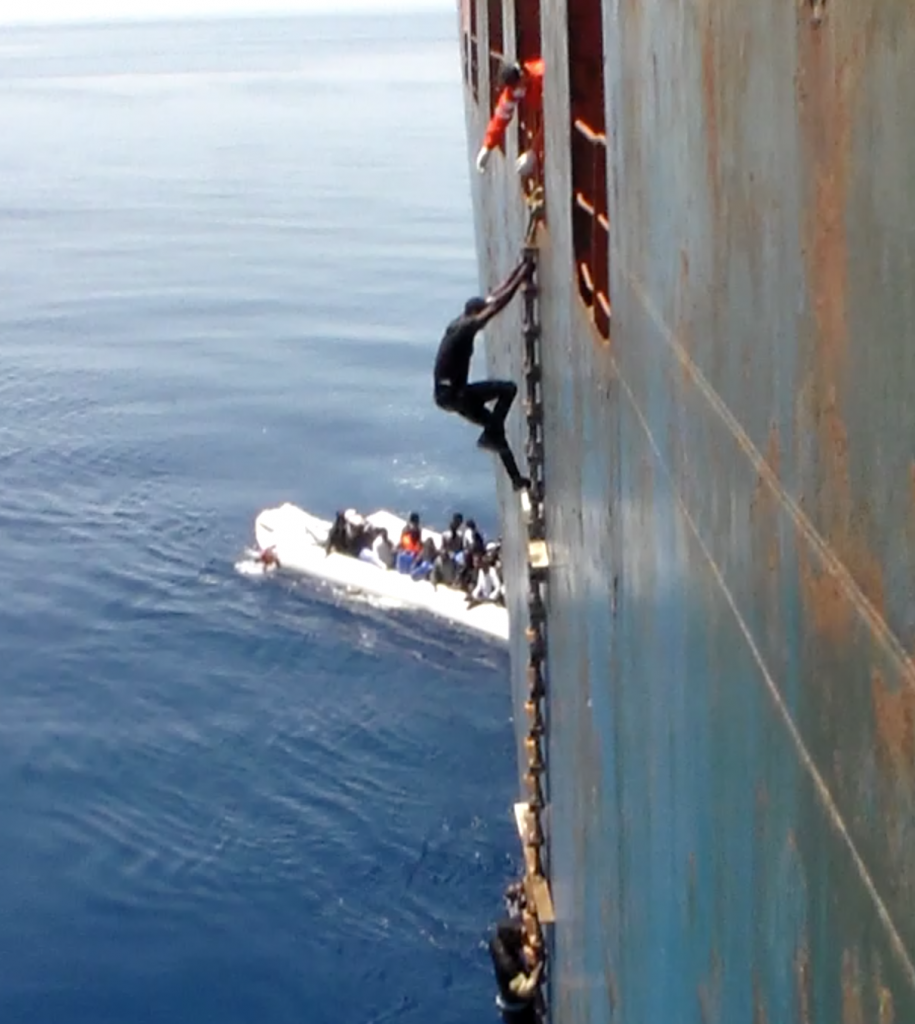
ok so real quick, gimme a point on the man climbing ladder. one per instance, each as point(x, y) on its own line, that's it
point(453, 393)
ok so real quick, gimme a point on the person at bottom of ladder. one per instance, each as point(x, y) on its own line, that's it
point(517, 973)
point(453, 393)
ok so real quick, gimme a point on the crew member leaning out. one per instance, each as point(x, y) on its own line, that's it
point(518, 82)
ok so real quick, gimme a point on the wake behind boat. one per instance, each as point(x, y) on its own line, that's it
point(292, 539)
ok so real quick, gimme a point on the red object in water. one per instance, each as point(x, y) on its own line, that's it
point(268, 557)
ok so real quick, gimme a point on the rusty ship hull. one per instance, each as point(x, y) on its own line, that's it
point(727, 314)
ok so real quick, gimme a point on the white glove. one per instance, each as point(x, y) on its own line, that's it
point(482, 158)
point(526, 164)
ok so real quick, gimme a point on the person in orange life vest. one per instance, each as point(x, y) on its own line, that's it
point(518, 81)
point(410, 545)
point(411, 536)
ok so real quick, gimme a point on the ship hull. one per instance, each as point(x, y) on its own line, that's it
point(730, 505)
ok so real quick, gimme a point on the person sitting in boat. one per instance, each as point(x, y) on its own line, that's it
point(337, 535)
point(494, 556)
point(453, 393)
point(452, 538)
point(488, 584)
point(472, 540)
point(467, 569)
point(381, 552)
point(444, 569)
point(424, 561)
point(518, 82)
point(410, 544)
point(468, 572)
point(494, 580)
point(493, 561)
point(358, 532)
point(411, 537)
point(517, 973)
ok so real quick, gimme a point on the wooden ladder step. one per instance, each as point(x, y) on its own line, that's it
point(537, 554)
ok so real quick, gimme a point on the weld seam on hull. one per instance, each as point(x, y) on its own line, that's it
point(831, 562)
point(806, 758)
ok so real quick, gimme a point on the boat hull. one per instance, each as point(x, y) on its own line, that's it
point(296, 539)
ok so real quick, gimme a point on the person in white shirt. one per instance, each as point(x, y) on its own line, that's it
point(381, 552)
point(488, 586)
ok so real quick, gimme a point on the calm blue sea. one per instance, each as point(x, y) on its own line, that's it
point(228, 252)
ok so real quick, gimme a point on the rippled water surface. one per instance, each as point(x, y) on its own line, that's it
point(228, 252)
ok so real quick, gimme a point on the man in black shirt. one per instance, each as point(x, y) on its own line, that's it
point(516, 980)
point(452, 368)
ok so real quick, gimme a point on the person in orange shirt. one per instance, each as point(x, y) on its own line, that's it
point(519, 82)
